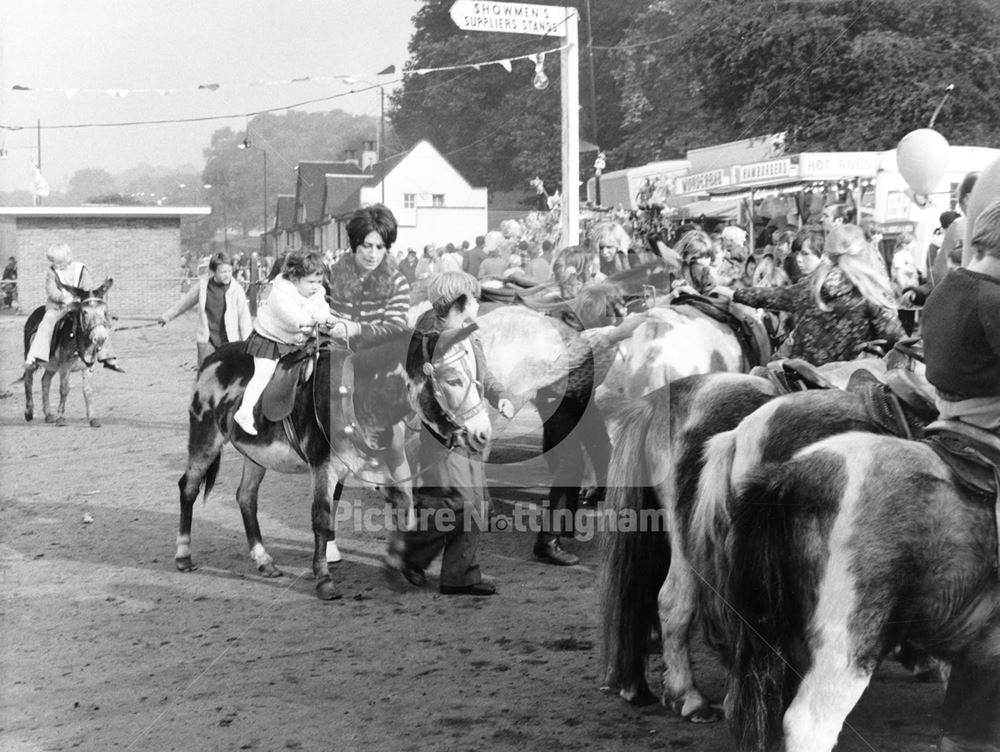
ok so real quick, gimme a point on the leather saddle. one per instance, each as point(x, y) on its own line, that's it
point(972, 453)
point(297, 370)
point(292, 371)
point(750, 332)
point(793, 375)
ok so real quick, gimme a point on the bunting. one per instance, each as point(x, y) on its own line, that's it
point(70, 93)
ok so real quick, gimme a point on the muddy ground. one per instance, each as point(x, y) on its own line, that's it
point(105, 646)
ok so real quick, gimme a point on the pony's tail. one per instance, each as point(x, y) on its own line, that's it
point(635, 558)
point(711, 512)
point(767, 609)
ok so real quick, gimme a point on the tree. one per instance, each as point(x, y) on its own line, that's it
point(837, 75)
point(236, 175)
point(492, 125)
point(89, 183)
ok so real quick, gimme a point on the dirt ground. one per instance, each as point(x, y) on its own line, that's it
point(105, 646)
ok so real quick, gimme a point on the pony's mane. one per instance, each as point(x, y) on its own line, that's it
point(381, 353)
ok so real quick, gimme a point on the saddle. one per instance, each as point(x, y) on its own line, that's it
point(972, 453)
point(750, 332)
point(293, 370)
point(793, 375)
point(883, 401)
point(298, 369)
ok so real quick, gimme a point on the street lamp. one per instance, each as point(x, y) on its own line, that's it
point(247, 145)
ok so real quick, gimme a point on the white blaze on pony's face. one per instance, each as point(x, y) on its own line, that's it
point(458, 392)
point(447, 391)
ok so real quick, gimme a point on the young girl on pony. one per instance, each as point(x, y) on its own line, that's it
point(296, 304)
point(63, 271)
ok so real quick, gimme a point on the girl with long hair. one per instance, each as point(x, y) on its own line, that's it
point(840, 306)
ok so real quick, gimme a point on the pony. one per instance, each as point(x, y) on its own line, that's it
point(678, 340)
point(78, 336)
point(657, 456)
point(345, 422)
point(691, 462)
point(858, 543)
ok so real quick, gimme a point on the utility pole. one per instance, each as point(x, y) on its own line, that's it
point(569, 83)
point(546, 21)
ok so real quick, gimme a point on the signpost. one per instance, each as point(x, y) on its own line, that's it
point(548, 21)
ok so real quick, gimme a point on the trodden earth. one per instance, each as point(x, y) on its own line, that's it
point(106, 646)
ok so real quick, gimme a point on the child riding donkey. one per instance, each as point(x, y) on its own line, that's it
point(63, 273)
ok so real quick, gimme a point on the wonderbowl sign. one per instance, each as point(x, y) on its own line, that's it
point(515, 18)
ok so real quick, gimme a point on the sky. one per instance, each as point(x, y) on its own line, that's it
point(71, 53)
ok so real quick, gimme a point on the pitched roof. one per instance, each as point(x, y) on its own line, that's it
point(381, 169)
point(343, 193)
point(285, 218)
point(310, 185)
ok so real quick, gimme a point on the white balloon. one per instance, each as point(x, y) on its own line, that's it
point(922, 156)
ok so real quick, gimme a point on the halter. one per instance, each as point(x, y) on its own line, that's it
point(431, 368)
point(77, 307)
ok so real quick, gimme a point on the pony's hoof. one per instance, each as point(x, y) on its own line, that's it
point(50, 418)
point(95, 423)
point(703, 714)
point(60, 421)
point(184, 564)
point(29, 416)
point(269, 570)
point(707, 715)
point(326, 591)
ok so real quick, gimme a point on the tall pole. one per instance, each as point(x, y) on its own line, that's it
point(38, 135)
point(264, 235)
point(594, 135)
point(569, 59)
point(379, 135)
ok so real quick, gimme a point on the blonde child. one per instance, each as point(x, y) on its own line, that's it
point(296, 304)
point(63, 269)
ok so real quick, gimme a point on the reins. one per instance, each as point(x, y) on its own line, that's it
point(346, 394)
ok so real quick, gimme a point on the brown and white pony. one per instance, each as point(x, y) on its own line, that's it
point(394, 377)
point(674, 454)
point(859, 543)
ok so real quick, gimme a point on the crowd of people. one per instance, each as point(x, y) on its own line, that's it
point(827, 290)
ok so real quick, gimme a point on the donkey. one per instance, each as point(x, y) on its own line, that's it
point(80, 333)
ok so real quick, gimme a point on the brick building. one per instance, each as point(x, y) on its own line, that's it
point(139, 246)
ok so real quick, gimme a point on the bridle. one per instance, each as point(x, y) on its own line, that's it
point(454, 357)
point(78, 307)
point(430, 369)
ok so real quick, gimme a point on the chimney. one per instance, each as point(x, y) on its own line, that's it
point(369, 156)
point(350, 155)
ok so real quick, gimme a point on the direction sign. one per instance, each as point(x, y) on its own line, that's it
point(515, 18)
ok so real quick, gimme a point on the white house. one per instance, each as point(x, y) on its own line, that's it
point(432, 201)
